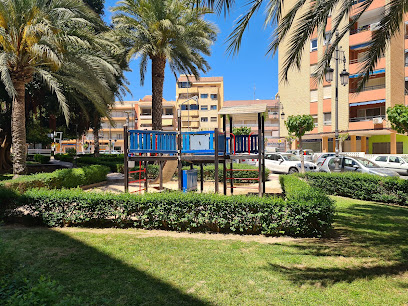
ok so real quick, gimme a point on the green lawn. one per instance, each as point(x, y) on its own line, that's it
point(366, 263)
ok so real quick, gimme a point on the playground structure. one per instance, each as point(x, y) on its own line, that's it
point(171, 149)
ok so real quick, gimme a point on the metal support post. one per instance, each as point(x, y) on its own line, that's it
point(216, 160)
point(126, 149)
point(231, 150)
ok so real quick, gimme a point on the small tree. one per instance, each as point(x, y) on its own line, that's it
point(244, 130)
point(289, 139)
point(342, 138)
point(298, 126)
point(398, 116)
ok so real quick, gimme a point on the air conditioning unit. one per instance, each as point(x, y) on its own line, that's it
point(377, 120)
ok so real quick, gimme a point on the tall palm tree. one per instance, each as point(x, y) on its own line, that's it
point(304, 17)
point(56, 41)
point(165, 31)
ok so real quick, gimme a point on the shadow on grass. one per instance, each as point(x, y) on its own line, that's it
point(86, 272)
point(371, 241)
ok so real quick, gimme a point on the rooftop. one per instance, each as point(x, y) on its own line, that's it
point(192, 79)
point(231, 103)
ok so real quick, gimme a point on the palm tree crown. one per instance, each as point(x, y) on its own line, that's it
point(57, 41)
point(165, 31)
point(304, 17)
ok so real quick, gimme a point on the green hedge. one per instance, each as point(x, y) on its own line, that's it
point(42, 159)
point(209, 172)
point(178, 211)
point(114, 162)
point(361, 186)
point(64, 157)
point(65, 178)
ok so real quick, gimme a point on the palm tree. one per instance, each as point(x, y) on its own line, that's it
point(165, 31)
point(55, 41)
point(304, 17)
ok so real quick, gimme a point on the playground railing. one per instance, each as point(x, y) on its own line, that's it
point(142, 141)
point(246, 144)
point(203, 142)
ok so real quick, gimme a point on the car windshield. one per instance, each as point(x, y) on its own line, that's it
point(290, 157)
point(366, 163)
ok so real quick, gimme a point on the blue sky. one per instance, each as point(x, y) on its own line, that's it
point(250, 68)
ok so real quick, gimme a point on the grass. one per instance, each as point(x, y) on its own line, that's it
point(366, 263)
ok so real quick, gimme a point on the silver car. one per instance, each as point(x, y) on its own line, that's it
point(307, 153)
point(396, 163)
point(356, 164)
point(286, 163)
point(321, 158)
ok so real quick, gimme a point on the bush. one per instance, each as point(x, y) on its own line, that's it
point(361, 186)
point(71, 151)
point(180, 211)
point(115, 163)
point(64, 157)
point(314, 207)
point(209, 172)
point(42, 159)
point(65, 178)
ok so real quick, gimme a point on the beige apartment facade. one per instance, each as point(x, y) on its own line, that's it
point(199, 102)
point(361, 115)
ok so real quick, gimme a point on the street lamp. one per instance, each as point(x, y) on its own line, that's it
point(195, 98)
point(280, 110)
point(344, 78)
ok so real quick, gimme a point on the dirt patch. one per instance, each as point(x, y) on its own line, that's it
point(204, 236)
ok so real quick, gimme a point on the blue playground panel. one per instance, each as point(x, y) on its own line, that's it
point(142, 141)
point(189, 180)
point(200, 142)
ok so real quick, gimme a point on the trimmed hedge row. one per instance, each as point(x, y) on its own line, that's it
point(361, 186)
point(115, 164)
point(42, 159)
point(175, 211)
point(65, 178)
point(64, 157)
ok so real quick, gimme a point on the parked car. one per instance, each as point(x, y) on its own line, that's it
point(356, 164)
point(396, 163)
point(286, 163)
point(320, 159)
point(306, 152)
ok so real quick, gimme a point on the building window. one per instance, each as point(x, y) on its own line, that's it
point(213, 96)
point(327, 91)
point(204, 107)
point(326, 118)
point(313, 95)
point(204, 119)
point(213, 107)
point(146, 112)
point(192, 107)
point(184, 84)
point(313, 45)
point(204, 96)
point(213, 119)
point(118, 136)
point(168, 111)
point(315, 121)
point(327, 37)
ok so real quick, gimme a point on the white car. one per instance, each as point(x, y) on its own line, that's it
point(396, 163)
point(286, 163)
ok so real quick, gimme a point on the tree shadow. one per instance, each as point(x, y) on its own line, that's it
point(88, 273)
point(372, 239)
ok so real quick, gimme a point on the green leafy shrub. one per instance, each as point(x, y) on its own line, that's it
point(42, 159)
point(114, 162)
point(361, 186)
point(299, 191)
point(71, 151)
point(65, 178)
point(180, 211)
point(209, 172)
point(64, 157)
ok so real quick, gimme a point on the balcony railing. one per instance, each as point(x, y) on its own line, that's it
point(360, 60)
point(367, 88)
point(367, 27)
point(366, 118)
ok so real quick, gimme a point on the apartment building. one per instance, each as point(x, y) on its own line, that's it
point(272, 132)
point(143, 110)
point(362, 115)
point(200, 113)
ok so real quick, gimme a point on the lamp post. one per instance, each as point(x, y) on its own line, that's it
point(195, 98)
point(280, 114)
point(344, 77)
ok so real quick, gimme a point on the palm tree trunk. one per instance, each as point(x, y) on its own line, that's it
point(96, 142)
point(18, 130)
point(158, 65)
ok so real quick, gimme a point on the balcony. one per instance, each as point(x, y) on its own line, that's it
point(367, 118)
point(367, 88)
point(193, 124)
point(365, 123)
point(191, 113)
point(313, 57)
point(355, 65)
point(374, 5)
point(361, 34)
point(371, 93)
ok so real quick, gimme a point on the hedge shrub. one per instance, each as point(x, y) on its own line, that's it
point(42, 159)
point(64, 157)
point(179, 211)
point(361, 186)
point(114, 162)
point(209, 172)
point(65, 178)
